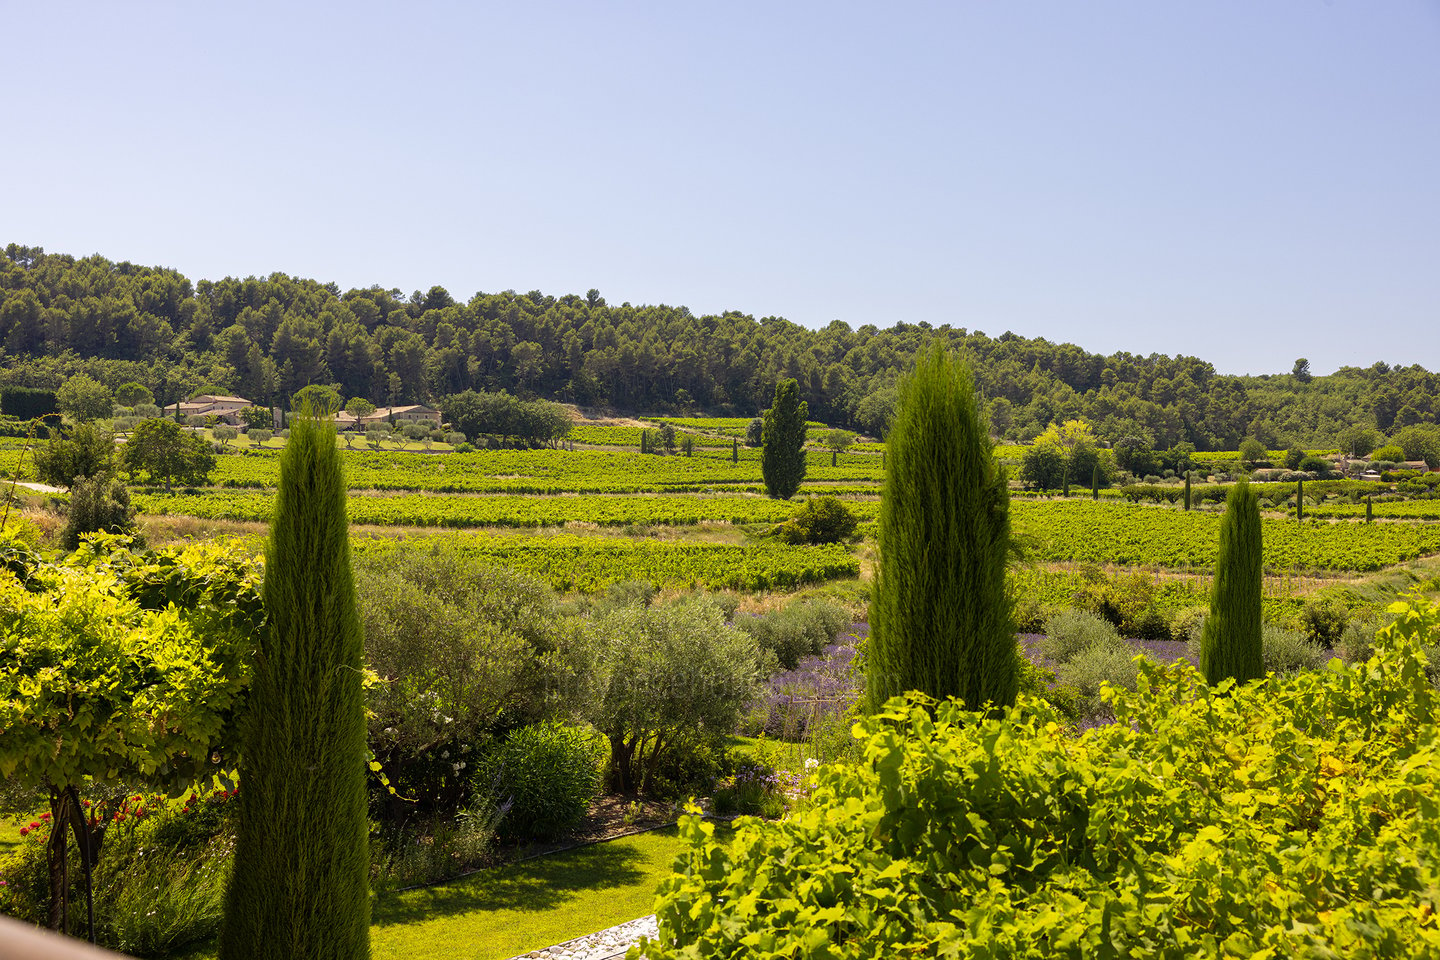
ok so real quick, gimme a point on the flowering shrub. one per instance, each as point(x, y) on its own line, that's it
point(1293, 816)
point(159, 885)
point(820, 687)
point(757, 789)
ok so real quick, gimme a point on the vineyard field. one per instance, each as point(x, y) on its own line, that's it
point(497, 511)
point(1392, 510)
point(1085, 531)
point(547, 471)
point(588, 564)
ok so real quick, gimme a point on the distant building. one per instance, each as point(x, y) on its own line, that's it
point(413, 413)
point(207, 405)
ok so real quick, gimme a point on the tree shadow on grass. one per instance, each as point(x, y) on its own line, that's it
point(535, 885)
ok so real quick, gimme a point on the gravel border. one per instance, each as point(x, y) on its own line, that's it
point(602, 945)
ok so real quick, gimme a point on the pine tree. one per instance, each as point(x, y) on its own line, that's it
point(1230, 644)
point(299, 889)
point(782, 440)
point(940, 618)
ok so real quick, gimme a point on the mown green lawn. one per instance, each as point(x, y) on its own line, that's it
point(10, 836)
point(513, 909)
point(525, 906)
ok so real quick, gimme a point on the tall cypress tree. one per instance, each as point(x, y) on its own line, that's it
point(300, 885)
point(782, 440)
point(940, 618)
point(1230, 645)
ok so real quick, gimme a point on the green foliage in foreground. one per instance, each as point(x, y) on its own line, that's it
point(1283, 818)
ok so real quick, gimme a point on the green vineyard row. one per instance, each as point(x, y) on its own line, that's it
point(589, 564)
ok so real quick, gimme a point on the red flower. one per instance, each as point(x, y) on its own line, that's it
point(24, 830)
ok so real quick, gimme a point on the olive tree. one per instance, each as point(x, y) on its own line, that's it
point(667, 674)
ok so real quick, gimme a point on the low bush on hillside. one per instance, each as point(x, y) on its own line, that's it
point(803, 628)
point(819, 520)
point(1289, 817)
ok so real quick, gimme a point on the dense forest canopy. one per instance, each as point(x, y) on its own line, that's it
point(266, 338)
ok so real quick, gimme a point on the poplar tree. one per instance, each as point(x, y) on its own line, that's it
point(299, 887)
point(940, 618)
point(1230, 644)
point(782, 441)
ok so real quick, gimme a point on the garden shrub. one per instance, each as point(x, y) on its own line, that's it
point(1325, 619)
point(754, 789)
point(1128, 602)
point(1071, 632)
point(691, 766)
point(1287, 651)
point(1293, 817)
point(464, 649)
point(544, 776)
point(433, 847)
point(97, 504)
point(819, 520)
point(803, 628)
point(1109, 662)
point(631, 593)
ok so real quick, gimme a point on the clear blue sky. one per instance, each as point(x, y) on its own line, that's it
point(1247, 182)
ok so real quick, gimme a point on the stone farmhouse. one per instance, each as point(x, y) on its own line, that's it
point(207, 405)
point(413, 413)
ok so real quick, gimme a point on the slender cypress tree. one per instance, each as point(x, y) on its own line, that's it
point(782, 453)
point(1187, 489)
point(1369, 510)
point(940, 618)
point(300, 885)
point(1230, 645)
point(1095, 482)
point(1299, 499)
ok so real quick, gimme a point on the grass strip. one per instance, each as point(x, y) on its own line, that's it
point(512, 909)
